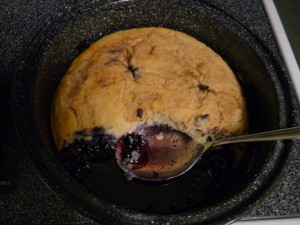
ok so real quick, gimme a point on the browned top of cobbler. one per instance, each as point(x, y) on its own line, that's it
point(147, 76)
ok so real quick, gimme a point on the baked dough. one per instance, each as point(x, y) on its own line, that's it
point(148, 76)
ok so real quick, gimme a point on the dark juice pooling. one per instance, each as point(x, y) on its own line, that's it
point(91, 161)
point(133, 150)
point(154, 153)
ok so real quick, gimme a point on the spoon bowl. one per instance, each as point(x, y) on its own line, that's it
point(167, 153)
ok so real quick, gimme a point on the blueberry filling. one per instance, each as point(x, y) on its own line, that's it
point(90, 159)
point(132, 71)
point(139, 113)
point(150, 148)
point(133, 150)
point(88, 148)
point(203, 87)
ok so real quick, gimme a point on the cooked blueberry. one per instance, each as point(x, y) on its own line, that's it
point(132, 70)
point(209, 139)
point(133, 150)
point(203, 87)
point(139, 113)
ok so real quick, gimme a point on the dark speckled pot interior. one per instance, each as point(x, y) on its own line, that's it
point(222, 201)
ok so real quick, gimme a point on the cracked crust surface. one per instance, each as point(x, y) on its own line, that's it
point(147, 76)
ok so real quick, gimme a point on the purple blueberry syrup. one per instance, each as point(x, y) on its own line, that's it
point(132, 149)
point(153, 152)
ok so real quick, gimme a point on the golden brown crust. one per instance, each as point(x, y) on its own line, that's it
point(148, 75)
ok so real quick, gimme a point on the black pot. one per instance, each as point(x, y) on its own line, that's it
point(211, 193)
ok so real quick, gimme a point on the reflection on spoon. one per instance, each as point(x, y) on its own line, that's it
point(160, 153)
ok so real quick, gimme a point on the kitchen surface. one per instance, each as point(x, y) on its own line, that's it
point(25, 196)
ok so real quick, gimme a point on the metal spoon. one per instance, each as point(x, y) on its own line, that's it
point(168, 162)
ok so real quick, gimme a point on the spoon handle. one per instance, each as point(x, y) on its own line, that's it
point(288, 133)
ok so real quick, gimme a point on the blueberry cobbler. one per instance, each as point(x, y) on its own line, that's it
point(136, 86)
